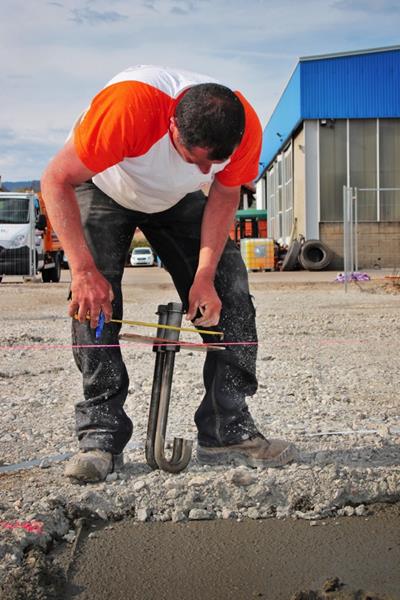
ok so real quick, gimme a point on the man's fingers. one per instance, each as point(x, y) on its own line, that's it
point(107, 314)
point(82, 312)
point(209, 315)
point(106, 309)
point(94, 316)
point(73, 308)
point(206, 322)
point(192, 311)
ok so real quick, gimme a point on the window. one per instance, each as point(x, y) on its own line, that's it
point(333, 168)
point(287, 192)
point(363, 166)
point(279, 199)
point(280, 196)
point(389, 169)
point(271, 208)
point(14, 210)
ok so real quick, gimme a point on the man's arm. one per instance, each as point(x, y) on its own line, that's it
point(218, 217)
point(90, 291)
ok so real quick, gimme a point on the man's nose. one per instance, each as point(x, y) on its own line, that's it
point(205, 168)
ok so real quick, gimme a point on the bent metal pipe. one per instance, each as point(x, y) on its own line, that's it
point(170, 314)
point(165, 345)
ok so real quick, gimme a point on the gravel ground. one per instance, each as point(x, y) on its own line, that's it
point(328, 367)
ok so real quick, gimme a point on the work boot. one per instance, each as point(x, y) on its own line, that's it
point(255, 452)
point(92, 466)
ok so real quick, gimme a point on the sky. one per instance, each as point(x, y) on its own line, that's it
point(57, 54)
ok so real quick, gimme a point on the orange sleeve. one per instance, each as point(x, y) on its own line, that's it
point(124, 119)
point(244, 163)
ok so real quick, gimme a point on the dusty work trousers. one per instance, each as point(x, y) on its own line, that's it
point(229, 376)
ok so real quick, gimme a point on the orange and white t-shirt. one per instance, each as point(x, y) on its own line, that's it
point(124, 138)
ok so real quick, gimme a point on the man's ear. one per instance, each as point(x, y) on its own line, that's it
point(172, 124)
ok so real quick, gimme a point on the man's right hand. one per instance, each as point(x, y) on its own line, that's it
point(91, 293)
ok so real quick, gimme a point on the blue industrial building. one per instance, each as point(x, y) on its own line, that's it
point(336, 124)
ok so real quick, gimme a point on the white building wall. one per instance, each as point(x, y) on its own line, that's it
point(261, 203)
point(311, 146)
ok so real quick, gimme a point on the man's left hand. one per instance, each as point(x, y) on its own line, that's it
point(203, 298)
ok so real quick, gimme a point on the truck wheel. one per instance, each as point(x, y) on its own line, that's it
point(315, 255)
point(53, 274)
point(291, 259)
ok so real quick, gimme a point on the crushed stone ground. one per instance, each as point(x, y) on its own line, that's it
point(329, 375)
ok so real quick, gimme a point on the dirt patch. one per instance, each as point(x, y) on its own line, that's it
point(392, 288)
point(334, 589)
point(38, 578)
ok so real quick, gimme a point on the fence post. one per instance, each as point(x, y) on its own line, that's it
point(351, 229)
point(346, 237)
point(355, 229)
point(32, 239)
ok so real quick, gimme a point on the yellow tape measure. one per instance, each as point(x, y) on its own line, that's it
point(157, 326)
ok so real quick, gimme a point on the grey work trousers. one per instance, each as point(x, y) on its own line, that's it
point(223, 417)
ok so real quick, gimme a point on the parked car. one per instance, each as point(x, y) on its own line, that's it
point(142, 257)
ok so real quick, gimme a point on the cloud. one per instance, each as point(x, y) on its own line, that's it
point(150, 5)
point(25, 155)
point(6, 135)
point(186, 8)
point(53, 71)
point(95, 17)
point(174, 7)
point(382, 7)
point(176, 10)
point(18, 76)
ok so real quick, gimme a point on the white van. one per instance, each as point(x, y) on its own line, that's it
point(28, 243)
point(142, 256)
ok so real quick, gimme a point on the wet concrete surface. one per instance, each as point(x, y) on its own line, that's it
point(229, 560)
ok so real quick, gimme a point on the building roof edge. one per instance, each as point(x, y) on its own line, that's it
point(349, 53)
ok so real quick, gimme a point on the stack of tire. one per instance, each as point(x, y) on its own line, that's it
point(312, 255)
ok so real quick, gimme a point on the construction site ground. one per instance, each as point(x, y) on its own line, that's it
point(327, 526)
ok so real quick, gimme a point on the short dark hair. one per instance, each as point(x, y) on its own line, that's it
point(210, 115)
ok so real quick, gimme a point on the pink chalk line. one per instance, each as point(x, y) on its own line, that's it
point(335, 341)
point(29, 526)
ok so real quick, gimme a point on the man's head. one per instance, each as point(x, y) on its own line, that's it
point(208, 124)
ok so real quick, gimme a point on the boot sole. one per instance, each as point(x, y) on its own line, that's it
point(224, 456)
point(87, 473)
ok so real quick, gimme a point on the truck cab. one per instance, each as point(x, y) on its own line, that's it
point(28, 244)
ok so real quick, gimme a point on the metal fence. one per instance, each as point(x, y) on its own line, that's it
point(352, 204)
point(18, 254)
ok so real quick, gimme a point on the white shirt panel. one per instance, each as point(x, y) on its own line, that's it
point(155, 181)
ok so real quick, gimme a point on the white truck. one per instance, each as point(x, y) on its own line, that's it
point(28, 243)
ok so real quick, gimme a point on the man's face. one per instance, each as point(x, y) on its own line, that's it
point(195, 156)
